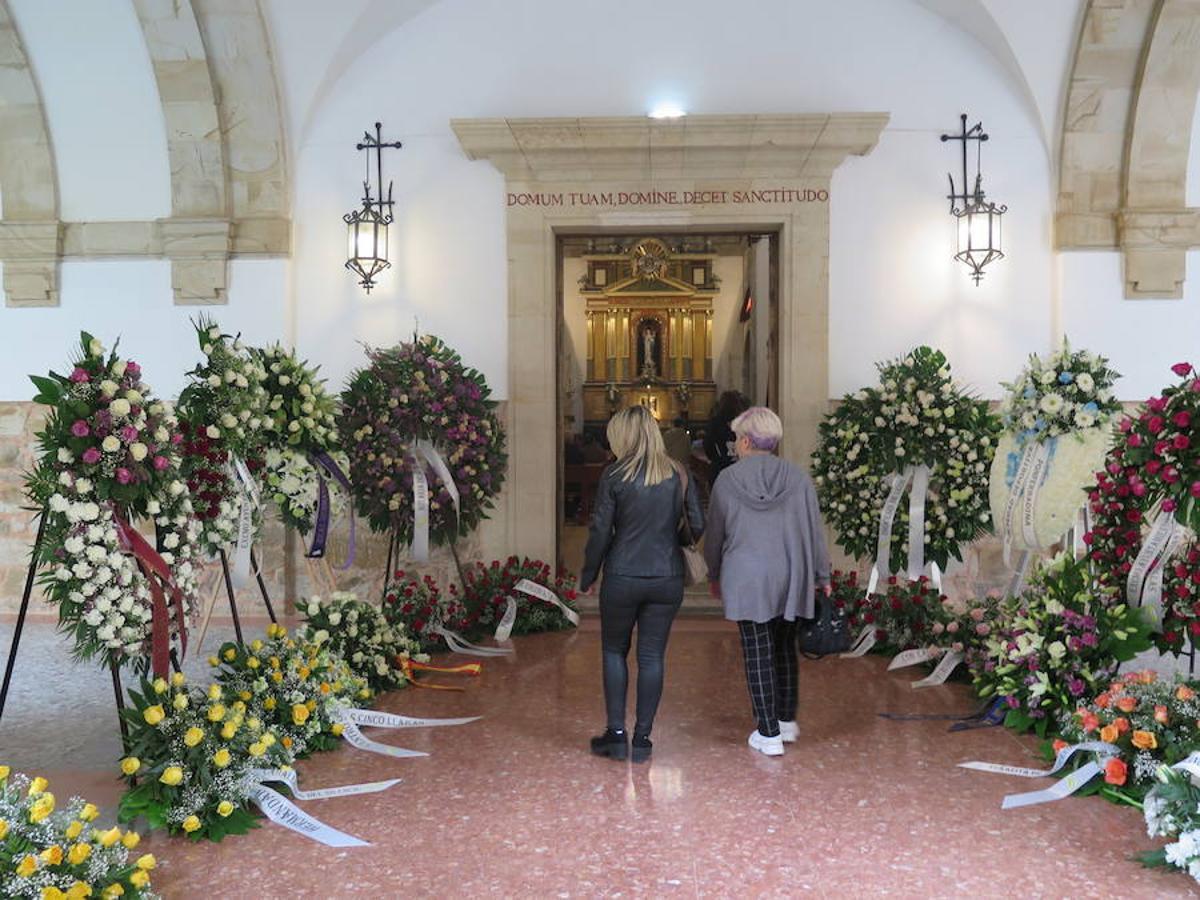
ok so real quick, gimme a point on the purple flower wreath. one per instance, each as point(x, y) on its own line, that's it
point(421, 391)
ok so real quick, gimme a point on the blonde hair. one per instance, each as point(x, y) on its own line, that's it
point(635, 439)
point(761, 426)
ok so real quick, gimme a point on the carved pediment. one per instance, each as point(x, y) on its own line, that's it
point(649, 269)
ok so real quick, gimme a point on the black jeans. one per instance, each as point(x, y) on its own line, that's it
point(772, 671)
point(650, 604)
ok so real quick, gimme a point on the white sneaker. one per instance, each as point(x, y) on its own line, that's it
point(789, 732)
point(769, 746)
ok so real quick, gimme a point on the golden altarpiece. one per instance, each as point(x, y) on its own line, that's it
point(649, 332)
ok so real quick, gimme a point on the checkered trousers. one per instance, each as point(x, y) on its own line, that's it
point(772, 671)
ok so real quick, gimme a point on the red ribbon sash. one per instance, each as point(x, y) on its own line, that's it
point(158, 575)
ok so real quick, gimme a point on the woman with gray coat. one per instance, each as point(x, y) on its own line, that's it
point(766, 554)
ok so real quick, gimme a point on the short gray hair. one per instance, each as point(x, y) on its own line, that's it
point(761, 426)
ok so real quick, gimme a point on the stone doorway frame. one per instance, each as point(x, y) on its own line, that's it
point(730, 153)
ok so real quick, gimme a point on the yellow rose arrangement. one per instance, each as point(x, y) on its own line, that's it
point(54, 850)
point(296, 687)
point(188, 754)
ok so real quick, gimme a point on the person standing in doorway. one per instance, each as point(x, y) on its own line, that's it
point(635, 538)
point(678, 442)
point(718, 437)
point(766, 557)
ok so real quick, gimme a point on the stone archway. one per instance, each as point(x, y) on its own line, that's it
point(746, 172)
point(1126, 140)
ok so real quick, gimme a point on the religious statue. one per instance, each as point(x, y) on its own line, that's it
point(648, 341)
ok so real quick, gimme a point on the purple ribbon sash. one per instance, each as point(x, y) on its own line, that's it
point(316, 550)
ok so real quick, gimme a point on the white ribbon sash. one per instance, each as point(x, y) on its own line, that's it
point(1153, 553)
point(533, 589)
point(356, 738)
point(420, 536)
point(1033, 488)
point(249, 499)
point(1154, 584)
point(1064, 787)
point(1021, 481)
point(424, 450)
point(916, 522)
point(864, 642)
point(507, 621)
point(883, 548)
point(939, 675)
point(283, 811)
point(458, 644)
point(1101, 748)
point(1191, 765)
point(291, 779)
point(427, 450)
point(372, 719)
point(908, 658)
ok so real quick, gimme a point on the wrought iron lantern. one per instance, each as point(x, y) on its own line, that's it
point(367, 227)
point(979, 230)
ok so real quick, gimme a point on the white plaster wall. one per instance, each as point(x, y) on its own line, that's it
point(1142, 338)
point(131, 300)
point(893, 283)
point(892, 280)
point(102, 107)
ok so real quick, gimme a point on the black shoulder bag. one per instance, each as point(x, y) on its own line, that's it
point(826, 633)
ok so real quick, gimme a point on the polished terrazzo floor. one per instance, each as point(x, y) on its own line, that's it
point(513, 805)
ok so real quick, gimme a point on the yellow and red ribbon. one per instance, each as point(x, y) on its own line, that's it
point(409, 667)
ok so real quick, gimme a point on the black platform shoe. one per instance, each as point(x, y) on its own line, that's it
point(613, 744)
point(642, 748)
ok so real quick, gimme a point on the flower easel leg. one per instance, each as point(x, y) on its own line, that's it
point(393, 552)
point(119, 695)
point(16, 639)
point(237, 623)
point(262, 586)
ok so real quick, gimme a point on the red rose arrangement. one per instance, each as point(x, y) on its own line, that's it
point(1154, 465)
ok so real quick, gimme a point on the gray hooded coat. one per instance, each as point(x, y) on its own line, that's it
point(765, 542)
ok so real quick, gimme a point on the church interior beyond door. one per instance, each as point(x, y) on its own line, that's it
point(672, 322)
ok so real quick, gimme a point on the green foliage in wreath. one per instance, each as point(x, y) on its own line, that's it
point(916, 416)
point(421, 391)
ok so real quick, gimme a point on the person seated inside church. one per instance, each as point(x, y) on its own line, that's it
point(678, 442)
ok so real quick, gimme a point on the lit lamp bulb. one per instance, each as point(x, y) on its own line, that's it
point(979, 237)
point(367, 238)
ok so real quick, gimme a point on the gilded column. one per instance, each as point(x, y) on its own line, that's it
point(677, 341)
point(686, 349)
point(591, 348)
point(610, 346)
point(708, 348)
point(623, 347)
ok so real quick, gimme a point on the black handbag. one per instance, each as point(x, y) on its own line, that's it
point(826, 633)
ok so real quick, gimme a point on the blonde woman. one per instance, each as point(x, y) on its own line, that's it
point(635, 538)
point(766, 559)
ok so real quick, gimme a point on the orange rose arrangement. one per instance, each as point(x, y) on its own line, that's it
point(1151, 721)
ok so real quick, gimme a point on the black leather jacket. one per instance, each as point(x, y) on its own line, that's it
point(635, 528)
